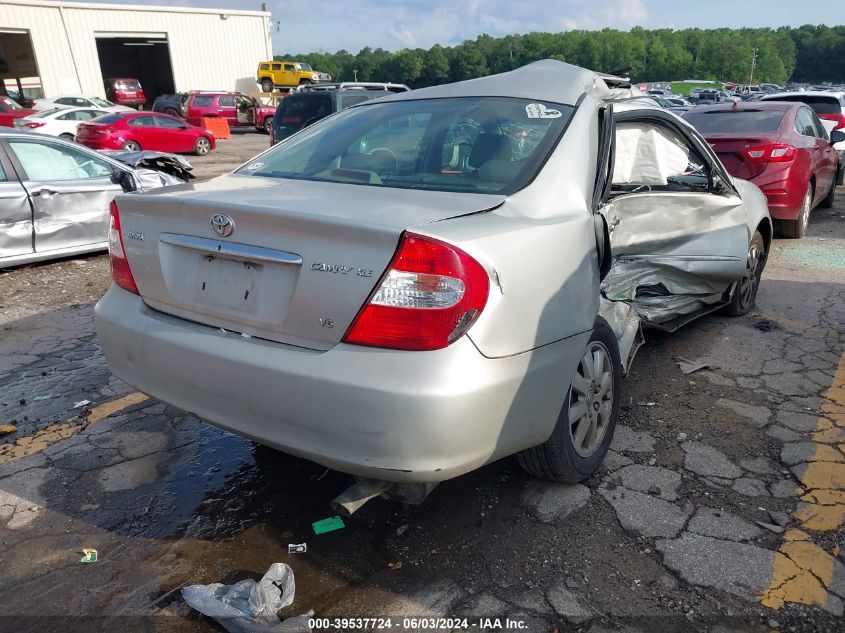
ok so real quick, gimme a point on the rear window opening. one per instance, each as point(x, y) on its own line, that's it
point(736, 121)
point(474, 145)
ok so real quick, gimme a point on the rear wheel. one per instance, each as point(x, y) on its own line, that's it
point(202, 146)
point(828, 199)
point(67, 136)
point(588, 417)
point(171, 111)
point(742, 301)
point(266, 85)
point(798, 227)
point(132, 146)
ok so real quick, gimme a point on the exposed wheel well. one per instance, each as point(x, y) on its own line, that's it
point(765, 228)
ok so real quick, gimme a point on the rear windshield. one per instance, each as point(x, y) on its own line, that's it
point(131, 84)
point(45, 113)
point(821, 104)
point(731, 121)
point(109, 118)
point(482, 145)
point(297, 111)
point(101, 102)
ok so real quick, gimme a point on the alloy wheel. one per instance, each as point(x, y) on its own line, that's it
point(748, 284)
point(591, 399)
point(203, 146)
point(805, 208)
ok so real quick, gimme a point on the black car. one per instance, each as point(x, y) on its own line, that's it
point(309, 104)
point(169, 104)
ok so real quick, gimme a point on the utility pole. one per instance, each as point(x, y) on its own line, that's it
point(753, 64)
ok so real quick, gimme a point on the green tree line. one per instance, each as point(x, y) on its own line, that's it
point(811, 54)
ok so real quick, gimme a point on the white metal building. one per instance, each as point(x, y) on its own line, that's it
point(72, 46)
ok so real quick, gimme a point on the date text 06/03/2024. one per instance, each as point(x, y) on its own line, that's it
point(417, 624)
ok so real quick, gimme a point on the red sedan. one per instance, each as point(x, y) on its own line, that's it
point(135, 131)
point(782, 148)
point(11, 110)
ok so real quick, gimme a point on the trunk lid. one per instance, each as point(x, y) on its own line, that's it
point(731, 148)
point(302, 259)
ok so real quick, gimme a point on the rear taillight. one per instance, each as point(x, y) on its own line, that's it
point(33, 124)
point(121, 274)
point(839, 118)
point(430, 295)
point(778, 153)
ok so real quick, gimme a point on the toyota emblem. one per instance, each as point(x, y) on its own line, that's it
point(222, 224)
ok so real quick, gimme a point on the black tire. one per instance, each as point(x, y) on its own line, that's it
point(202, 146)
point(745, 293)
point(268, 125)
point(827, 203)
point(797, 228)
point(266, 85)
point(172, 112)
point(67, 136)
point(305, 82)
point(131, 146)
point(558, 459)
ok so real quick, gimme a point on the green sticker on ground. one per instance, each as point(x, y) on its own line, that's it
point(328, 525)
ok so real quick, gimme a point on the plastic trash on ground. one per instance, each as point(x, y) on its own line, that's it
point(249, 606)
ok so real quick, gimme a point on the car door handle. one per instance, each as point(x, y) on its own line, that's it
point(44, 193)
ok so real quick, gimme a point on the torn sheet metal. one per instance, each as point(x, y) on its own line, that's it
point(170, 164)
point(662, 290)
point(625, 323)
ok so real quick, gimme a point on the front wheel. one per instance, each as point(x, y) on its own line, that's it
point(202, 146)
point(268, 125)
point(586, 422)
point(745, 294)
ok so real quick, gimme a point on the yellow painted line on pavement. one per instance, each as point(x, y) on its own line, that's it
point(802, 570)
point(41, 439)
point(107, 408)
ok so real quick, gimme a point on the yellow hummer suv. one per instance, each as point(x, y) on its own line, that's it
point(286, 74)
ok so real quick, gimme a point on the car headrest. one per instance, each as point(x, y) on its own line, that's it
point(488, 147)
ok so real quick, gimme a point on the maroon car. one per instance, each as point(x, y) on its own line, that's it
point(782, 148)
point(11, 110)
point(238, 109)
point(125, 91)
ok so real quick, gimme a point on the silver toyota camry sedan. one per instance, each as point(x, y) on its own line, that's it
point(425, 283)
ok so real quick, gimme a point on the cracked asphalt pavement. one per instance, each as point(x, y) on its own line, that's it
point(719, 508)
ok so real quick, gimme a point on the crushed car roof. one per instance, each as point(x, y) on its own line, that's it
point(545, 80)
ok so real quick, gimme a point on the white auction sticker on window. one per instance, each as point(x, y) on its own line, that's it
point(254, 166)
point(539, 111)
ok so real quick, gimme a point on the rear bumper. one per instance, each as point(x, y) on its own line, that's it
point(784, 194)
point(391, 415)
point(104, 143)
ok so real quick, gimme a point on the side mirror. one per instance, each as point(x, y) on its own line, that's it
point(717, 185)
point(126, 180)
point(837, 136)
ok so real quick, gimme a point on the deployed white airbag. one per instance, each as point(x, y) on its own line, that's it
point(646, 156)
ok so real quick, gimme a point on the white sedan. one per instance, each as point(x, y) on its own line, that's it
point(75, 101)
point(61, 122)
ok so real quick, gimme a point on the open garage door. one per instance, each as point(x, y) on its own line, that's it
point(18, 70)
point(141, 56)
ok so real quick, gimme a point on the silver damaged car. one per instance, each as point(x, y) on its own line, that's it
point(424, 283)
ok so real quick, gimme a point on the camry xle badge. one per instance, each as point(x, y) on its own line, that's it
point(341, 270)
point(222, 224)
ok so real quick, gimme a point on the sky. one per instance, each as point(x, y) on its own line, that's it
point(329, 25)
